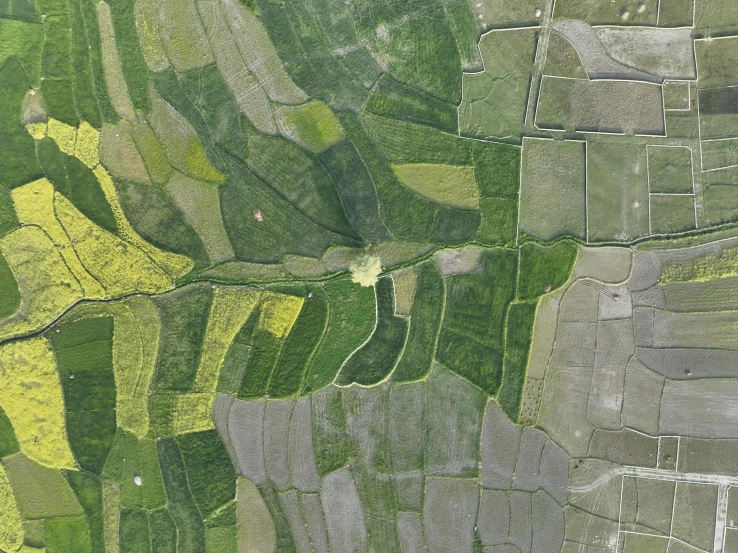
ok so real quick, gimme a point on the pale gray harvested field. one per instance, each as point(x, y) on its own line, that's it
point(312, 510)
point(119, 155)
point(609, 265)
point(646, 271)
point(367, 421)
point(221, 408)
point(344, 515)
point(521, 527)
point(681, 364)
point(454, 262)
point(663, 53)
point(643, 319)
point(276, 436)
point(500, 443)
point(694, 330)
point(245, 426)
point(453, 421)
point(642, 385)
point(594, 486)
point(588, 529)
point(555, 472)
point(410, 487)
point(714, 295)
point(730, 545)
point(255, 526)
point(493, 521)
point(653, 297)
point(708, 456)
point(544, 335)
point(259, 54)
point(655, 501)
point(563, 412)
point(410, 530)
point(245, 87)
point(615, 303)
point(450, 514)
point(548, 524)
point(694, 514)
point(624, 447)
point(291, 508)
point(617, 107)
point(614, 350)
point(580, 304)
point(705, 408)
point(629, 501)
point(407, 426)
point(199, 202)
point(303, 471)
point(507, 548)
point(529, 460)
point(595, 60)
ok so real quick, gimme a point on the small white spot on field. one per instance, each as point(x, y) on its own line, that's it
point(137, 480)
point(636, 204)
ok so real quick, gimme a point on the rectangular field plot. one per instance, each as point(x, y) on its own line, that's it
point(641, 543)
point(619, 107)
point(603, 12)
point(503, 13)
point(715, 17)
point(718, 109)
point(675, 13)
point(552, 193)
point(494, 101)
point(672, 213)
point(694, 515)
point(676, 95)
point(719, 154)
point(617, 191)
point(670, 169)
point(721, 200)
point(716, 60)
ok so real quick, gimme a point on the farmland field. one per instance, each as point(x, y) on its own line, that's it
point(372, 276)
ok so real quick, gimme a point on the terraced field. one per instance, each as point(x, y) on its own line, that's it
point(404, 276)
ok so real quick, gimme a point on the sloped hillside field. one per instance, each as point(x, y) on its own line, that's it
point(369, 276)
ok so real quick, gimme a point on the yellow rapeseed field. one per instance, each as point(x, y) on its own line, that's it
point(135, 346)
point(120, 267)
point(279, 312)
point(87, 149)
point(37, 130)
point(31, 396)
point(34, 205)
point(64, 135)
point(228, 312)
point(46, 285)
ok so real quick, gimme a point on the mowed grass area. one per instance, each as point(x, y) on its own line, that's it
point(552, 188)
point(494, 101)
point(715, 60)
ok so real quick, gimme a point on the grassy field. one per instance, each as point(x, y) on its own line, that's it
point(617, 191)
point(552, 189)
point(492, 106)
